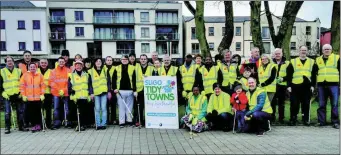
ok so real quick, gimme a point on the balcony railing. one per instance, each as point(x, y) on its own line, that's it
point(56, 51)
point(113, 20)
point(125, 51)
point(166, 20)
point(58, 36)
point(167, 36)
point(57, 19)
point(114, 36)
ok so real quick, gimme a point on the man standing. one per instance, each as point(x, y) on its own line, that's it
point(155, 56)
point(230, 73)
point(47, 103)
point(281, 86)
point(254, 62)
point(328, 85)
point(267, 76)
point(141, 70)
point(9, 88)
point(58, 82)
point(301, 81)
point(211, 74)
point(113, 101)
point(124, 86)
point(198, 61)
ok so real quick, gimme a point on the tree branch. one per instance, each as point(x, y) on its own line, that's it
point(190, 7)
point(271, 23)
point(229, 27)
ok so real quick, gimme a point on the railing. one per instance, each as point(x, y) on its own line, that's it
point(113, 20)
point(114, 36)
point(125, 51)
point(57, 19)
point(166, 21)
point(56, 51)
point(57, 35)
point(167, 36)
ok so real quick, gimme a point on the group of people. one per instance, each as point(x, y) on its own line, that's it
point(218, 95)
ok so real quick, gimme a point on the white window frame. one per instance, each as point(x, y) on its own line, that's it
point(240, 46)
point(145, 47)
point(210, 46)
point(145, 32)
point(144, 19)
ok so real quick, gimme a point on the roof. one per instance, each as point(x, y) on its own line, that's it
point(221, 19)
point(16, 4)
point(323, 30)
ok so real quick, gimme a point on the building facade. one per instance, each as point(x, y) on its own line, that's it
point(23, 27)
point(303, 33)
point(325, 36)
point(100, 29)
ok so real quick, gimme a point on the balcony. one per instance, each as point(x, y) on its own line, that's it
point(56, 51)
point(125, 51)
point(56, 19)
point(166, 21)
point(167, 36)
point(57, 36)
point(114, 36)
point(113, 20)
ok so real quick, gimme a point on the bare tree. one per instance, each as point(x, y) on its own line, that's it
point(282, 39)
point(335, 28)
point(229, 27)
point(305, 39)
point(255, 25)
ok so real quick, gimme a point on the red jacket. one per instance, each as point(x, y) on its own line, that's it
point(242, 98)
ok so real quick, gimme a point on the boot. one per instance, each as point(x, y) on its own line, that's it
point(7, 130)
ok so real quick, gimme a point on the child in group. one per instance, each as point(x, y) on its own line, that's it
point(243, 79)
point(240, 106)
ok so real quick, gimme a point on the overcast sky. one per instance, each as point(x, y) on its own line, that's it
point(310, 10)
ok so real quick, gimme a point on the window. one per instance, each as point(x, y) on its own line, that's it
point(145, 48)
point(195, 48)
point(308, 30)
point(293, 45)
point(22, 46)
point(125, 47)
point(223, 30)
point(36, 46)
point(238, 46)
point(79, 16)
point(2, 45)
point(265, 33)
point(79, 31)
point(267, 47)
point(238, 31)
point(293, 32)
point(21, 24)
point(144, 32)
point(36, 24)
point(193, 35)
point(318, 33)
point(308, 44)
point(211, 31)
point(2, 24)
point(211, 46)
point(144, 17)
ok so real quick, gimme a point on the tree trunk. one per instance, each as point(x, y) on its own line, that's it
point(255, 25)
point(200, 28)
point(229, 27)
point(335, 28)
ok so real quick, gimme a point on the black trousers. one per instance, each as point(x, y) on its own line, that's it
point(111, 116)
point(47, 105)
point(89, 118)
point(34, 112)
point(301, 94)
point(278, 100)
point(82, 105)
point(221, 121)
point(140, 101)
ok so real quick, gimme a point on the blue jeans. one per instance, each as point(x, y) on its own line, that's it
point(20, 108)
point(324, 93)
point(240, 120)
point(57, 110)
point(101, 105)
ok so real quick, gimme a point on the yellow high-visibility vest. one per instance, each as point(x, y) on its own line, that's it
point(140, 76)
point(80, 85)
point(229, 74)
point(245, 84)
point(188, 76)
point(171, 72)
point(11, 80)
point(328, 71)
point(219, 103)
point(99, 82)
point(253, 100)
point(131, 70)
point(196, 105)
point(46, 80)
point(264, 75)
point(209, 78)
point(283, 71)
point(301, 70)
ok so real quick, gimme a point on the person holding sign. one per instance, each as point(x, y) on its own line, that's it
point(196, 111)
point(219, 109)
point(124, 86)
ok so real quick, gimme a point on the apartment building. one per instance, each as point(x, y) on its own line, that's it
point(303, 33)
point(22, 27)
point(100, 29)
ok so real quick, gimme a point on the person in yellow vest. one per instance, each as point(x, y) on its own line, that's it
point(47, 103)
point(156, 68)
point(100, 84)
point(155, 56)
point(230, 73)
point(132, 59)
point(259, 114)
point(328, 79)
point(89, 108)
point(281, 86)
point(301, 74)
point(142, 70)
point(267, 76)
point(124, 86)
point(9, 89)
point(219, 110)
point(198, 61)
point(111, 116)
point(196, 111)
point(167, 69)
point(210, 74)
point(80, 88)
point(243, 80)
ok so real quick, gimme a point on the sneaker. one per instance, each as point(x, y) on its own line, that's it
point(305, 123)
point(23, 129)
point(99, 128)
point(336, 126)
point(7, 131)
point(261, 133)
point(121, 125)
point(104, 127)
point(320, 125)
point(137, 125)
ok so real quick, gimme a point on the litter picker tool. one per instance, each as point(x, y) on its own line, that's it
point(124, 102)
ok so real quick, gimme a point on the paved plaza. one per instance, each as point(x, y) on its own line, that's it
point(280, 140)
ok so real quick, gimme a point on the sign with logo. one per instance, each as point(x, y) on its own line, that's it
point(161, 102)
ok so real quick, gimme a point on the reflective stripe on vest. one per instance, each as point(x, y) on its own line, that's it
point(140, 76)
point(188, 76)
point(253, 100)
point(171, 72)
point(265, 75)
point(131, 70)
point(11, 80)
point(196, 106)
point(328, 71)
point(301, 70)
point(99, 82)
point(229, 74)
point(80, 85)
point(220, 103)
point(283, 72)
point(46, 80)
point(209, 78)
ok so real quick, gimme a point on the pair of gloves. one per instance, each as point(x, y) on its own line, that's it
point(192, 119)
point(42, 98)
